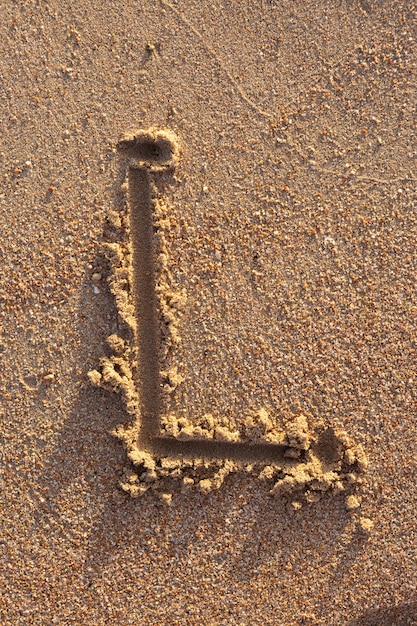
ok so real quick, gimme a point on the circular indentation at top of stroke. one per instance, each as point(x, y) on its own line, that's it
point(155, 148)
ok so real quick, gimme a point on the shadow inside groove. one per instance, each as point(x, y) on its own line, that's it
point(141, 224)
point(222, 450)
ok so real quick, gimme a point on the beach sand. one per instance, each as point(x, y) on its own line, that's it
point(289, 231)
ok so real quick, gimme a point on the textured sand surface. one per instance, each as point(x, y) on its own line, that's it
point(293, 231)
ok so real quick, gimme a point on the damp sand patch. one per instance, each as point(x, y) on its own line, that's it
point(168, 450)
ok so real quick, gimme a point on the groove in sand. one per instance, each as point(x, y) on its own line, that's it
point(146, 307)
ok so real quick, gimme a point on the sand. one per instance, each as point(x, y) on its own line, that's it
point(289, 231)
